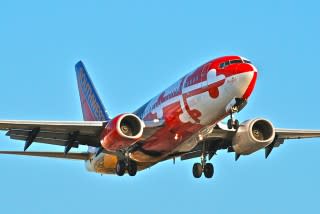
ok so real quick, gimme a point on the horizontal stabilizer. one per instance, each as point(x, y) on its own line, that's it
point(72, 156)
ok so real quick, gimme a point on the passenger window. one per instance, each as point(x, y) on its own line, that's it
point(247, 61)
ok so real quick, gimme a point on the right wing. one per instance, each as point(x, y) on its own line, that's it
point(72, 156)
point(69, 134)
point(62, 133)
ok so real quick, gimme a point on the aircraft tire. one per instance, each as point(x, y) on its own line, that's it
point(230, 124)
point(120, 168)
point(197, 170)
point(236, 124)
point(132, 168)
point(208, 170)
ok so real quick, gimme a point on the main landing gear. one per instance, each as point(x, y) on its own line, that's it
point(206, 168)
point(126, 164)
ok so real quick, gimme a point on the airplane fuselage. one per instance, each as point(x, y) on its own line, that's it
point(197, 100)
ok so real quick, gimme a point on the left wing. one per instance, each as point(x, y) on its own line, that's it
point(220, 137)
point(296, 133)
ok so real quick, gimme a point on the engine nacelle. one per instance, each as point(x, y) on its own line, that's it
point(253, 135)
point(121, 132)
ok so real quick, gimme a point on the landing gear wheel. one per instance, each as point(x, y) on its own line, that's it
point(197, 170)
point(230, 124)
point(120, 167)
point(208, 170)
point(132, 168)
point(236, 124)
point(233, 124)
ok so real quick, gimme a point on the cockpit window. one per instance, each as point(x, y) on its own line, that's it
point(235, 61)
point(225, 64)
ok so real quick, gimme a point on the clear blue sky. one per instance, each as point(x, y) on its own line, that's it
point(133, 50)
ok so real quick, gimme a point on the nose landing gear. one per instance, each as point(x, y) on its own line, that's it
point(235, 106)
point(233, 123)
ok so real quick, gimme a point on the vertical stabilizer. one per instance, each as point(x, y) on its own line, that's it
point(92, 107)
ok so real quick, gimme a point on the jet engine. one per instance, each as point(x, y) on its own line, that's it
point(121, 132)
point(253, 135)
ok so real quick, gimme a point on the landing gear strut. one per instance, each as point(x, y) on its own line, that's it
point(235, 106)
point(206, 168)
point(126, 164)
point(231, 122)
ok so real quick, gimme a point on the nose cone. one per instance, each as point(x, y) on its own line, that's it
point(248, 73)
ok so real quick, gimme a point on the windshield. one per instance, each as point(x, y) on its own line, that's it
point(235, 61)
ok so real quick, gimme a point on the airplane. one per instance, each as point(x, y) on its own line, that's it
point(183, 121)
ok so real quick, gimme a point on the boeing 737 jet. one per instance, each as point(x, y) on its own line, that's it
point(183, 121)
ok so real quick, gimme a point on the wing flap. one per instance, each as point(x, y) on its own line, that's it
point(54, 138)
point(57, 142)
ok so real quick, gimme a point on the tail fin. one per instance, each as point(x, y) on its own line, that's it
point(92, 107)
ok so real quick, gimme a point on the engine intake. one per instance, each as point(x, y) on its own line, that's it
point(130, 126)
point(253, 135)
point(121, 132)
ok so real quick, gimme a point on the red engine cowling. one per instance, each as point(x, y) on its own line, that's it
point(121, 132)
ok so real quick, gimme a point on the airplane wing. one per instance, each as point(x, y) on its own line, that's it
point(220, 137)
point(64, 133)
point(296, 133)
point(282, 134)
point(68, 134)
point(70, 156)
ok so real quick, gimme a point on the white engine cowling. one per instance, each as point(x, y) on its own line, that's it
point(253, 135)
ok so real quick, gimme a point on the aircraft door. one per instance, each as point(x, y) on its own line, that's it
point(204, 72)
